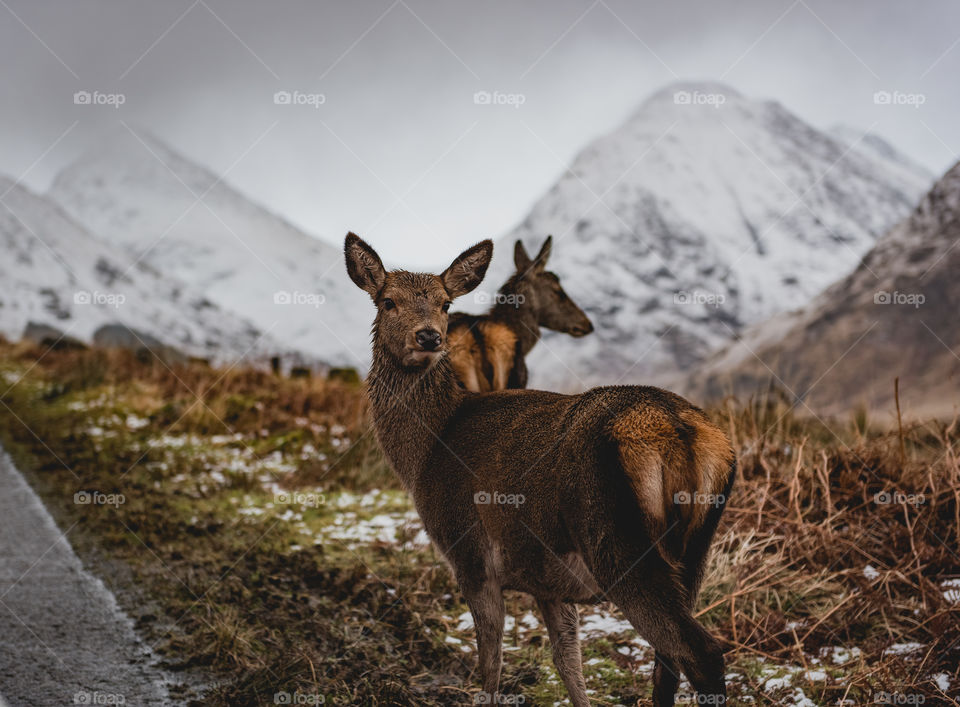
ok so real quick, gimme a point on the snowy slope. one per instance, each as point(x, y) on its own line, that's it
point(894, 316)
point(186, 223)
point(55, 272)
point(696, 218)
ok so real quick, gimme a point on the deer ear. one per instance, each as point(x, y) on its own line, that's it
point(544, 254)
point(520, 257)
point(467, 269)
point(364, 265)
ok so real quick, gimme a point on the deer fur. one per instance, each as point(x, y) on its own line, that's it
point(602, 476)
point(488, 351)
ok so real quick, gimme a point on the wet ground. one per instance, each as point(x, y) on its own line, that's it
point(63, 638)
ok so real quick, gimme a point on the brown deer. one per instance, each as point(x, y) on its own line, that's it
point(488, 351)
point(613, 494)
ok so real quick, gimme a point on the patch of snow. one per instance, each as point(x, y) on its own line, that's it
point(951, 590)
point(904, 649)
point(839, 654)
point(600, 623)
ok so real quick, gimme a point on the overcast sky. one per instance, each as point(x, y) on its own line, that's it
point(398, 150)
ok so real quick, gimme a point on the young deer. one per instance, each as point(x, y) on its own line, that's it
point(487, 351)
point(570, 498)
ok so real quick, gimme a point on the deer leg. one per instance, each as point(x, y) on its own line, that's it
point(562, 626)
point(652, 597)
point(666, 678)
point(486, 607)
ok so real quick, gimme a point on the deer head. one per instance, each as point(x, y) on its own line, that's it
point(541, 289)
point(411, 322)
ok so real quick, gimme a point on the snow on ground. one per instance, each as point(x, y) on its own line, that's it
point(951, 590)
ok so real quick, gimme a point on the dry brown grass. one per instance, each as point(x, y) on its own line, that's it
point(815, 504)
point(787, 576)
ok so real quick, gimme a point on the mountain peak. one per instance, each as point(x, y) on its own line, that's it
point(689, 92)
point(131, 155)
point(705, 212)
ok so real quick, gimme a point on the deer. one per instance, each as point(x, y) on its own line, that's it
point(488, 351)
point(613, 494)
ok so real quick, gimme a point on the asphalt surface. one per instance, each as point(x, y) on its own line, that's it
point(63, 638)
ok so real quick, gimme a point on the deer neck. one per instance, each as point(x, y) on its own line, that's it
point(410, 411)
point(518, 314)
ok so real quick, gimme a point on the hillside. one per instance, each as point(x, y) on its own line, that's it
point(55, 272)
point(185, 222)
point(894, 316)
point(707, 211)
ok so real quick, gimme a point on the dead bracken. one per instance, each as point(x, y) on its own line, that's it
point(834, 575)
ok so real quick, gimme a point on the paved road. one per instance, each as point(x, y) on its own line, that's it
point(63, 639)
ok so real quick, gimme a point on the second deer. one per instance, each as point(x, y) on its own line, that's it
point(488, 351)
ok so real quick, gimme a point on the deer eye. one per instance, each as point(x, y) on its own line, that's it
point(388, 303)
point(446, 306)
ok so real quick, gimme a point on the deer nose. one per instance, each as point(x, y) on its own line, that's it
point(428, 339)
point(582, 329)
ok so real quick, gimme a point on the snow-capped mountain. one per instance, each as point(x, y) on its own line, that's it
point(185, 222)
point(55, 272)
point(895, 316)
point(705, 212)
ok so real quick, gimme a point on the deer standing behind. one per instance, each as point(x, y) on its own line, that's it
point(488, 351)
point(569, 498)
